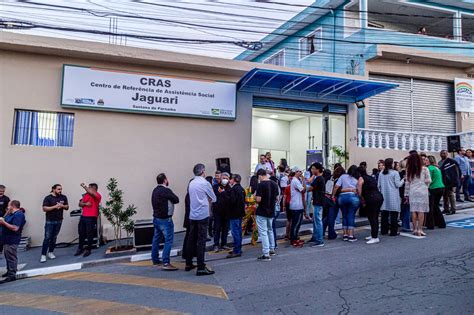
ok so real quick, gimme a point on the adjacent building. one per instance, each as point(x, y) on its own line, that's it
point(426, 48)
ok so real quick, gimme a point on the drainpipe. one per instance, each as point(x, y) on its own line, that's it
point(364, 15)
point(333, 41)
point(457, 26)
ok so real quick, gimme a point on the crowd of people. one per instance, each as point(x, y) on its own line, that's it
point(405, 195)
point(401, 195)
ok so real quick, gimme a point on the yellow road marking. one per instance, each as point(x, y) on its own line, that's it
point(164, 284)
point(74, 305)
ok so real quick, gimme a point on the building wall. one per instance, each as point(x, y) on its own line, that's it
point(133, 148)
point(464, 121)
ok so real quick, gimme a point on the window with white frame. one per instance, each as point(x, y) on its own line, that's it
point(311, 43)
point(351, 18)
point(43, 129)
point(277, 59)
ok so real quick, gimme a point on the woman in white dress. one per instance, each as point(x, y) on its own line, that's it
point(416, 191)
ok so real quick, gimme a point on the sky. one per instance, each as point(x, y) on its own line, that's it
point(226, 20)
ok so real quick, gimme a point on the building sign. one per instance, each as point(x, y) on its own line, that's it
point(103, 89)
point(463, 95)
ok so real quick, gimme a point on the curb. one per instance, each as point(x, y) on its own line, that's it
point(175, 252)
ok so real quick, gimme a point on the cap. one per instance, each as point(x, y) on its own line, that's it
point(296, 169)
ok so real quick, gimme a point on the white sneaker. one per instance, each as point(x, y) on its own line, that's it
point(43, 259)
point(373, 241)
point(368, 238)
point(51, 256)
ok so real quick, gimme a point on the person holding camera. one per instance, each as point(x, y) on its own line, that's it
point(12, 225)
point(88, 223)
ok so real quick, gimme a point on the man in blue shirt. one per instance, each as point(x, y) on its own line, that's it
point(12, 225)
point(465, 169)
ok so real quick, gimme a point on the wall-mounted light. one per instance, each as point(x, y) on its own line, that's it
point(360, 104)
point(273, 116)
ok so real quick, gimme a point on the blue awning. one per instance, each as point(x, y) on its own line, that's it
point(319, 88)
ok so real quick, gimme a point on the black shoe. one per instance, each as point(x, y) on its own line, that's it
point(189, 268)
point(204, 272)
point(8, 279)
point(264, 258)
point(158, 263)
point(79, 252)
point(5, 274)
point(86, 253)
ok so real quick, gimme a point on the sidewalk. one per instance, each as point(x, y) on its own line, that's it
point(29, 265)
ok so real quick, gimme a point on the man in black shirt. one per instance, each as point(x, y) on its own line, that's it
point(54, 205)
point(4, 200)
point(318, 187)
point(266, 197)
point(236, 213)
point(220, 210)
point(163, 201)
point(451, 179)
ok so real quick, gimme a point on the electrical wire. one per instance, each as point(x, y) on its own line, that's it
point(209, 41)
point(288, 48)
point(298, 27)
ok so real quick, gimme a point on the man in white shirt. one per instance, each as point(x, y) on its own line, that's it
point(296, 207)
point(262, 164)
point(200, 196)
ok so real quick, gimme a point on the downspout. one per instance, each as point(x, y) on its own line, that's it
point(333, 41)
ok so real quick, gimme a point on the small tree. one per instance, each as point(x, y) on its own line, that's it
point(114, 213)
point(339, 154)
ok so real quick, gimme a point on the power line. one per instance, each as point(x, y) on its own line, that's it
point(362, 11)
point(245, 44)
point(253, 31)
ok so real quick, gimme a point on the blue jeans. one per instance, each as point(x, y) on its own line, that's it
point(277, 213)
point(349, 203)
point(236, 229)
point(309, 203)
point(405, 214)
point(265, 233)
point(317, 225)
point(163, 228)
point(464, 184)
point(51, 231)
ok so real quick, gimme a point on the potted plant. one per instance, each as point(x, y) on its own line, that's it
point(119, 218)
point(339, 155)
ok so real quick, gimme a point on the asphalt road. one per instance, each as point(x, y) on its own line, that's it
point(400, 275)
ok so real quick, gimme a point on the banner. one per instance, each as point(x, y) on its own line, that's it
point(102, 89)
point(463, 95)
